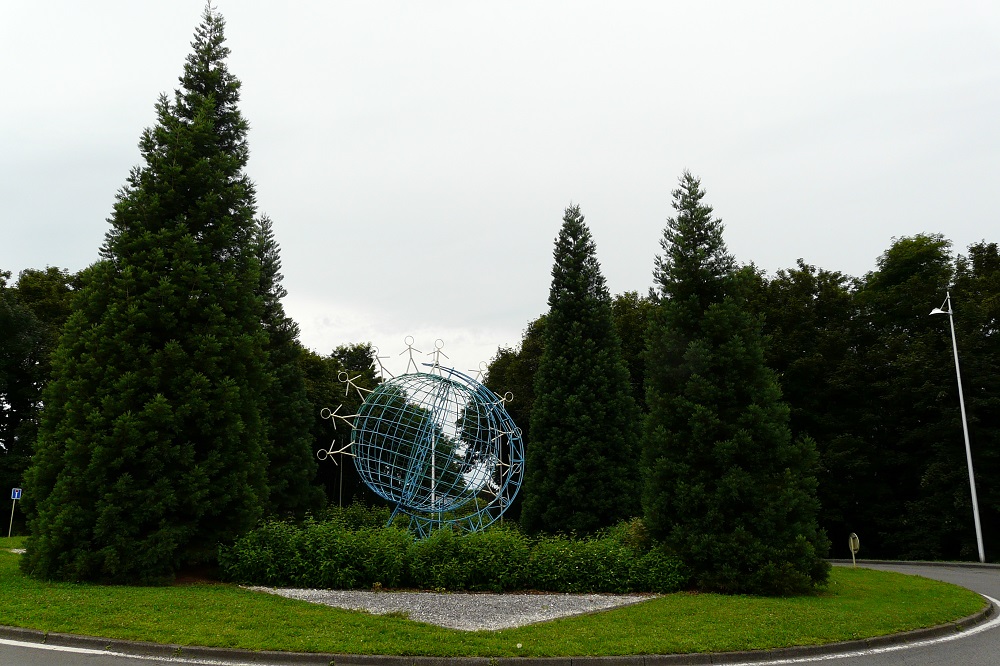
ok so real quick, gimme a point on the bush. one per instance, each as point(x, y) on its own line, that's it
point(658, 571)
point(357, 515)
point(496, 559)
point(325, 555)
point(492, 560)
point(605, 563)
point(346, 552)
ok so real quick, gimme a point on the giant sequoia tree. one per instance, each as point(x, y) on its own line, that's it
point(727, 486)
point(581, 467)
point(152, 442)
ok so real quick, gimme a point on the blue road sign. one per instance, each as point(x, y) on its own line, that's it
point(15, 493)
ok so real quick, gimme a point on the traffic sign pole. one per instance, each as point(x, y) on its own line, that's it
point(15, 494)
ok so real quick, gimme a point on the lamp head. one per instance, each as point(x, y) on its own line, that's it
point(939, 311)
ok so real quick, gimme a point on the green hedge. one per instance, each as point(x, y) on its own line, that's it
point(346, 550)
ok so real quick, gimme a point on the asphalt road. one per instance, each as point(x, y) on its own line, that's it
point(979, 646)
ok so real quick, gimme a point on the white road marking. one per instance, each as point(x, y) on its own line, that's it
point(986, 626)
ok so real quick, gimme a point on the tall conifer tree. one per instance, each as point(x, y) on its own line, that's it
point(151, 448)
point(727, 487)
point(581, 467)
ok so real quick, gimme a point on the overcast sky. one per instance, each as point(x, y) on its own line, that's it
point(416, 157)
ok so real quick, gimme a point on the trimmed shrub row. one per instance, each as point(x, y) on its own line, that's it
point(348, 554)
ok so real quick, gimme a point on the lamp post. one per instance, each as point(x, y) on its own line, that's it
point(965, 425)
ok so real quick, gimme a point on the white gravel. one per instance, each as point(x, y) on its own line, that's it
point(466, 611)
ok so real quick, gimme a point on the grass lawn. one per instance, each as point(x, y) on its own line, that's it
point(858, 603)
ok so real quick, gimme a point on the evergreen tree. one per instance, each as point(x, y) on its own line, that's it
point(151, 444)
point(581, 467)
point(727, 487)
point(291, 462)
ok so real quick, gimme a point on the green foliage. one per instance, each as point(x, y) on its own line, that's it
point(581, 465)
point(356, 515)
point(727, 488)
point(291, 463)
point(632, 313)
point(324, 390)
point(811, 329)
point(489, 561)
point(49, 294)
point(32, 313)
point(870, 376)
point(976, 298)
point(346, 551)
point(904, 367)
point(513, 370)
point(22, 346)
point(151, 444)
point(602, 564)
point(325, 555)
point(695, 269)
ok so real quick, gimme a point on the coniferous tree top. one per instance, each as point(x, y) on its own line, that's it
point(193, 180)
point(576, 272)
point(695, 264)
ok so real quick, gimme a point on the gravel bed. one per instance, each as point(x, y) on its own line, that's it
point(466, 611)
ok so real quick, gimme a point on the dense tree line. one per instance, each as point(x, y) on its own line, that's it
point(32, 312)
point(870, 375)
point(870, 378)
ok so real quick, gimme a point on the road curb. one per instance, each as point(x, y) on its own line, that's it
point(145, 649)
point(922, 563)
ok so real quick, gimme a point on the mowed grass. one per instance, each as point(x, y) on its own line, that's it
point(858, 603)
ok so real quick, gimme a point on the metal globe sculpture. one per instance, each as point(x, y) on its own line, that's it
point(440, 447)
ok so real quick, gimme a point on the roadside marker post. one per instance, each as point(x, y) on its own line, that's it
point(15, 494)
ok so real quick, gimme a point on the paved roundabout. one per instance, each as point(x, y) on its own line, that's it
point(973, 641)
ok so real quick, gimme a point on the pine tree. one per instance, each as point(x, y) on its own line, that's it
point(151, 444)
point(581, 467)
point(727, 488)
point(291, 464)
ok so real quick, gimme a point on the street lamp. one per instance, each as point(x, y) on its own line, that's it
point(965, 425)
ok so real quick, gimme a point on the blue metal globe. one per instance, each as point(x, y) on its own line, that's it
point(442, 448)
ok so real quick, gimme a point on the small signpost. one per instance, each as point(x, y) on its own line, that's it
point(855, 545)
point(15, 494)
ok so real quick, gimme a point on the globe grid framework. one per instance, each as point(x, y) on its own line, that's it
point(440, 447)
